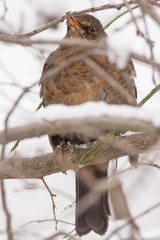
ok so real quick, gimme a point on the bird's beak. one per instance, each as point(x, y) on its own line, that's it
point(76, 23)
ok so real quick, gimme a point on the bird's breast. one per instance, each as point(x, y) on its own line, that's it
point(79, 83)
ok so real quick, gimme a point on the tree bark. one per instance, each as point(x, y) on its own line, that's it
point(66, 157)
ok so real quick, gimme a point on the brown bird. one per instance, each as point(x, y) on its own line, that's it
point(68, 79)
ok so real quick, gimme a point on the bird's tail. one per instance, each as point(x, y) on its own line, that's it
point(92, 209)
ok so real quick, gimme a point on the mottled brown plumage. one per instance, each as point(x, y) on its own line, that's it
point(77, 83)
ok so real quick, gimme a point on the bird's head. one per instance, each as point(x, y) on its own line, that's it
point(86, 27)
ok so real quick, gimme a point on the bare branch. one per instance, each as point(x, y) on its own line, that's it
point(46, 220)
point(11, 111)
point(69, 14)
point(144, 59)
point(120, 205)
point(66, 42)
point(135, 218)
point(27, 42)
point(148, 9)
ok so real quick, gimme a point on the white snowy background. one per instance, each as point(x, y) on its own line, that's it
point(20, 67)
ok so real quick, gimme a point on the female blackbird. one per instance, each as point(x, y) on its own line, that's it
point(68, 79)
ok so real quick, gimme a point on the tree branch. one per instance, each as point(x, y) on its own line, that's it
point(67, 157)
point(71, 14)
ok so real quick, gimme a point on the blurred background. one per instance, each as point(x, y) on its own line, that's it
point(20, 67)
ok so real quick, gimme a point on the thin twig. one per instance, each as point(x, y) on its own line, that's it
point(133, 18)
point(69, 206)
point(53, 203)
point(150, 164)
point(119, 16)
point(46, 220)
point(54, 236)
point(147, 38)
point(5, 9)
point(149, 95)
point(6, 211)
point(72, 237)
point(68, 234)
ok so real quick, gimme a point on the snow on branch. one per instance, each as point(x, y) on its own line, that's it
point(88, 117)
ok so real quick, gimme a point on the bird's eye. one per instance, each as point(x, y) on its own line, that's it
point(92, 29)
